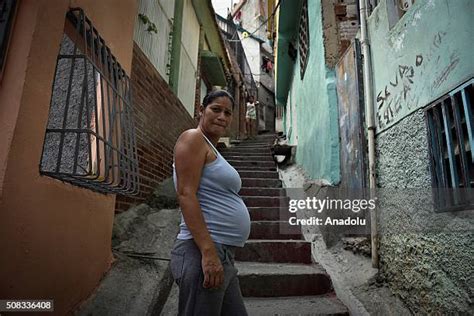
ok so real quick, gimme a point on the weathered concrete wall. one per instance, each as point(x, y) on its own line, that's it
point(425, 256)
point(311, 111)
point(156, 46)
point(267, 108)
point(56, 236)
point(425, 55)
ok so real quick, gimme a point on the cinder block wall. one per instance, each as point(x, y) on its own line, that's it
point(159, 120)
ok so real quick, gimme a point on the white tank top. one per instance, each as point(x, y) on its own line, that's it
point(226, 216)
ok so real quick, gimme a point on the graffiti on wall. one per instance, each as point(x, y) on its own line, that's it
point(393, 97)
point(399, 96)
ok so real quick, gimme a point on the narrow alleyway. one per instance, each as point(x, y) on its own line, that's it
point(276, 272)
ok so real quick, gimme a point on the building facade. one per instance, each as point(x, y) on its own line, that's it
point(56, 235)
point(93, 96)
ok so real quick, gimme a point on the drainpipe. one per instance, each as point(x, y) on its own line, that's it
point(370, 122)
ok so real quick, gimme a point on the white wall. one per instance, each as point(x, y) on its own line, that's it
point(155, 45)
point(189, 57)
point(251, 20)
point(252, 52)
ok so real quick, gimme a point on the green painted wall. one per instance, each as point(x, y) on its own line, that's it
point(311, 110)
point(425, 55)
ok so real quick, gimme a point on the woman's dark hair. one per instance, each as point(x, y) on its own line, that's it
point(211, 96)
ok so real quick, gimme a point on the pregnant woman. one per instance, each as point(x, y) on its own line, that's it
point(214, 218)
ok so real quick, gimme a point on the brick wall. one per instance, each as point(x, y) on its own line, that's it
point(340, 25)
point(159, 119)
point(348, 23)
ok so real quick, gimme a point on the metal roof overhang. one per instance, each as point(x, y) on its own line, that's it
point(212, 68)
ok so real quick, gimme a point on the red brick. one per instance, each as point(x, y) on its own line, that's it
point(159, 120)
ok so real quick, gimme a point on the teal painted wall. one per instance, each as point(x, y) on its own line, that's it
point(313, 103)
point(424, 56)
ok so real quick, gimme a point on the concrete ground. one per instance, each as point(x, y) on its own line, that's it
point(355, 281)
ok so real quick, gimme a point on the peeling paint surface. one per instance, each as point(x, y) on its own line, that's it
point(424, 56)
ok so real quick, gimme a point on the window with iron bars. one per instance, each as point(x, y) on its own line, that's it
point(451, 138)
point(90, 136)
point(7, 15)
point(303, 39)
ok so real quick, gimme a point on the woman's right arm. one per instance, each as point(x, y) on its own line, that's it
point(190, 158)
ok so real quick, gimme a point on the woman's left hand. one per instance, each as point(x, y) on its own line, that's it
point(213, 270)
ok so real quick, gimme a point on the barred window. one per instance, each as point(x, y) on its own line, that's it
point(303, 39)
point(90, 139)
point(451, 137)
point(7, 14)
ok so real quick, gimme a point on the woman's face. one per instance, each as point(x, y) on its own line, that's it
point(216, 116)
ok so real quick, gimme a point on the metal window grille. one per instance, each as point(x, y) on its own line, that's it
point(303, 40)
point(7, 13)
point(451, 137)
point(90, 136)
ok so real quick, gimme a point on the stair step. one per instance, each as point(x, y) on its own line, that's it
point(259, 174)
point(232, 152)
point(290, 251)
point(255, 168)
point(248, 158)
point(266, 183)
point(257, 141)
point(255, 151)
point(267, 213)
point(255, 145)
point(286, 279)
point(279, 230)
point(249, 191)
point(265, 136)
point(240, 163)
point(247, 144)
point(265, 201)
point(323, 305)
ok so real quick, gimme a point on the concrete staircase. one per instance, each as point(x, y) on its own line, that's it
point(276, 272)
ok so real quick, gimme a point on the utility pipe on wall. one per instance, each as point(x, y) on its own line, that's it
point(370, 122)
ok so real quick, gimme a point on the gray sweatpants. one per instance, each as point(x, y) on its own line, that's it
point(194, 299)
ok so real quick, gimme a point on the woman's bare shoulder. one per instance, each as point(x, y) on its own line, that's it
point(190, 135)
point(191, 139)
